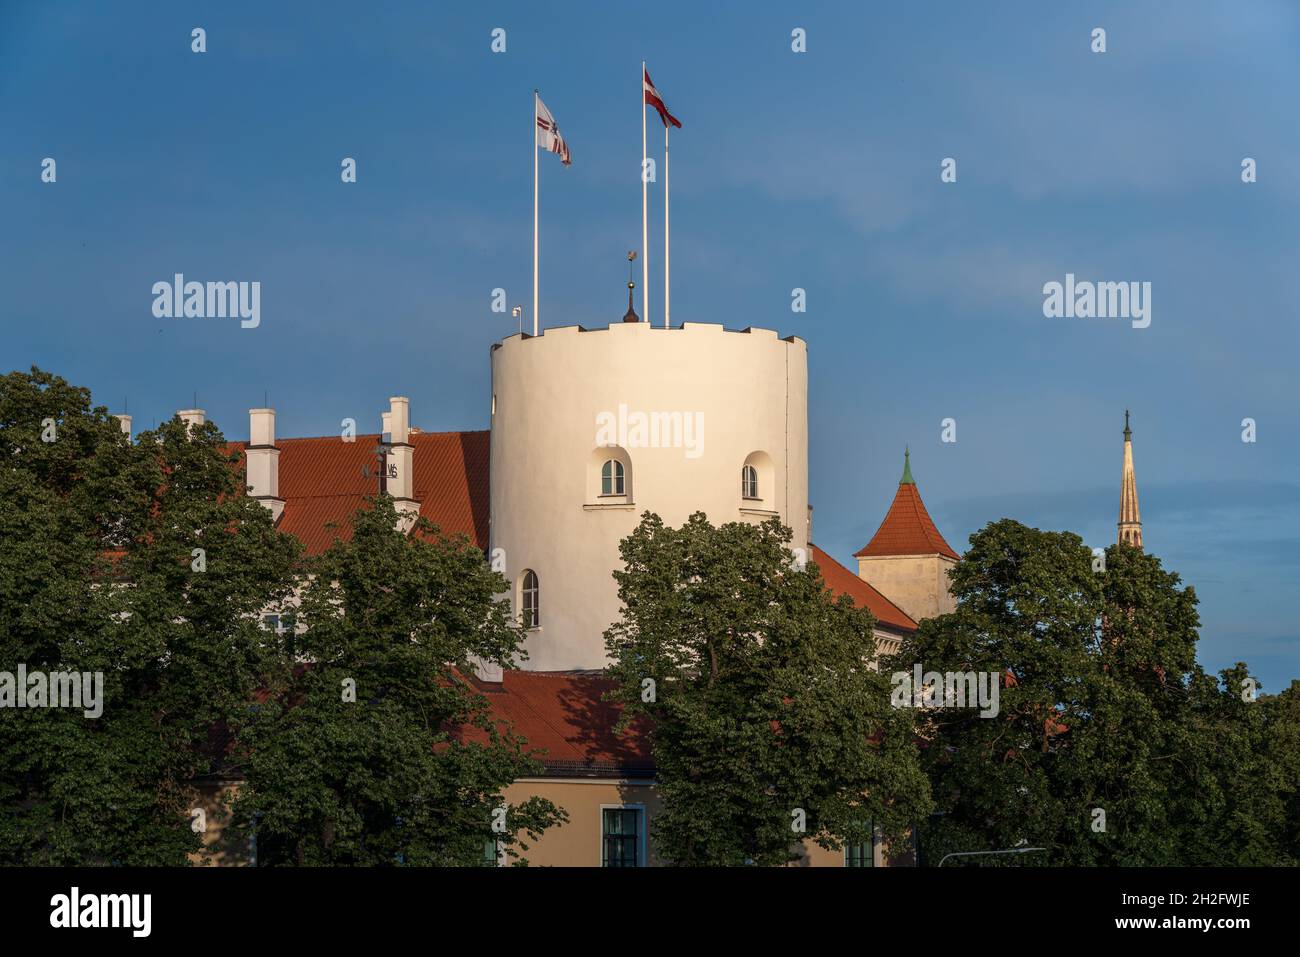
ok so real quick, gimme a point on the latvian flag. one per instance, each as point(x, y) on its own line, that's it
point(548, 134)
point(652, 98)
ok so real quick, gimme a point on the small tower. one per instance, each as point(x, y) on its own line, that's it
point(1130, 520)
point(907, 559)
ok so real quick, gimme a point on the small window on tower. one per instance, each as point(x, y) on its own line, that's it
point(749, 482)
point(529, 600)
point(611, 478)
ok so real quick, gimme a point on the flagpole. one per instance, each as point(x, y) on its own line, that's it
point(645, 250)
point(666, 296)
point(535, 98)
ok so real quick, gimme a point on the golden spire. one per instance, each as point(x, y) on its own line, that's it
point(1130, 520)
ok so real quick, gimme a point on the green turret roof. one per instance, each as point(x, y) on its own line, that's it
point(907, 468)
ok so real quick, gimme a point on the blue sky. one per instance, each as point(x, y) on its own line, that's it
point(817, 170)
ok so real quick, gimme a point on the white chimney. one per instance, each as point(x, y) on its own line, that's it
point(401, 460)
point(398, 417)
point(125, 422)
point(193, 418)
point(264, 461)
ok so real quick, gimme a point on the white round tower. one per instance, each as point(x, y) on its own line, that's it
point(592, 428)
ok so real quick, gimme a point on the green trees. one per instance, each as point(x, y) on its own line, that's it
point(141, 562)
point(1242, 774)
point(362, 743)
point(765, 711)
point(1111, 745)
point(353, 761)
point(145, 562)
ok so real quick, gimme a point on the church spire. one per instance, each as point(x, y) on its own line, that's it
point(1130, 521)
point(907, 468)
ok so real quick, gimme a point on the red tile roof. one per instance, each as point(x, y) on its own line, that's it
point(324, 480)
point(907, 529)
point(841, 581)
point(564, 716)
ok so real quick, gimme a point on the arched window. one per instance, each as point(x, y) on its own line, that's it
point(611, 478)
point(758, 483)
point(529, 594)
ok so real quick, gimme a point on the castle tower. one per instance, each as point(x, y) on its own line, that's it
point(1130, 521)
point(590, 428)
point(907, 558)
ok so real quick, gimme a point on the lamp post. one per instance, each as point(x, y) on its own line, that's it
point(1010, 850)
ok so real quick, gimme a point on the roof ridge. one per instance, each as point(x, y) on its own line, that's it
point(920, 513)
point(365, 494)
point(929, 525)
point(367, 435)
point(885, 598)
point(926, 523)
point(840, 581)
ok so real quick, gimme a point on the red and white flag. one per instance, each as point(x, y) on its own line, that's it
point(652, 98)
point(548, 134)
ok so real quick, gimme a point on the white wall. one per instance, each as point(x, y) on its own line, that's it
point(752, 391)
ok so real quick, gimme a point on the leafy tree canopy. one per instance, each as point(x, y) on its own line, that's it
point(766, 711)
point(1111, 746)
point(146, 563)
point(141, 562)
point(359, 755)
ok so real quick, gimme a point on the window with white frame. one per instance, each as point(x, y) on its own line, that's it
point(529, 600)
point(611, 478)
point(749, 482)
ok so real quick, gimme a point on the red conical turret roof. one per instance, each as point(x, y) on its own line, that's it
point(907, 528)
